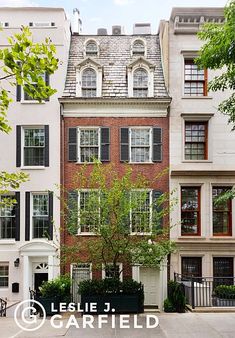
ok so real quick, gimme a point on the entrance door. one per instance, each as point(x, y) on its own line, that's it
point(149, 278)
point(39, 278)
point(222, 268)
point(80, 272)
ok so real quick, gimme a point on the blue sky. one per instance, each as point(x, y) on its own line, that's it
point(105, 13)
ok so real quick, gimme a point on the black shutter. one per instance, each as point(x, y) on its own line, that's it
point(18, 89)
point(157, 144)
point(72, 145)
point(46, 129)
point(17, 216)
point(27, 216)
point(18, 146)
point(47, 81)
point(157, 210)
point(124, 146)
point(51, 215)
point(72, 212)
point(105, 144)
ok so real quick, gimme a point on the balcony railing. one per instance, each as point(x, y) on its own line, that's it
point(204, 291)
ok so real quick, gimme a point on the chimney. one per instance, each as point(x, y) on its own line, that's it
point(77, 22)
point(141, 28)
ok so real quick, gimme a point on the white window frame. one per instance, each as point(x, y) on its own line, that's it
point(9, 194)
point(34, 101)
point(89, 63)
point(31, 214)
point(79, 142)
point(141, 63)
point(132, 47)
point(79, 232)
point(150, 216)
point(97, 46)
point(150, 145)
point(23, 145)
point(120, 265)
point(5, 264)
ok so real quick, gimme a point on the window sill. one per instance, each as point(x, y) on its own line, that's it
point(222, 238)
point(197, 97)
point(86, 234)
point(7, 241)
point(190, 237)
point(197, 161)
point(32, 102)
point(143, 162)
point(140, 233)
point(33, 168)
point(82, 163)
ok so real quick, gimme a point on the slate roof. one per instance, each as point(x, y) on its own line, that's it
point(114, 56)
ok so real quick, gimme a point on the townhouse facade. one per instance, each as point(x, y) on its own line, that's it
point(115, 109)
point(29, 232)
point(202, 157)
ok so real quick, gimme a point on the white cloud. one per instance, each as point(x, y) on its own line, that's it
point(95, 19)
point(17, 3)
point(123, 2)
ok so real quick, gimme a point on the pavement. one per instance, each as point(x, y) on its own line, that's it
point(171, 325)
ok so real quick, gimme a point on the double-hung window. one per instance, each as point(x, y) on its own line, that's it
point(89, 211)
point(89, 83)
point(89, 144)
point(190, 211)
point(141, 211)
point(91, 48)
point(195, 79)
point(34, 146)
point(27, 97)
point(140, 145)
point(222, 213)
point(111, 271)
point(40, 215)
point(138, 48)
point(4, 275)
point(140, 83)
point(196, 141)
point(7, 217)
point(191, 267)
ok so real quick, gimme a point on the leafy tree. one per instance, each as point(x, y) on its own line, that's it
point(218, 52)
point(117, 203)
point(23, 63)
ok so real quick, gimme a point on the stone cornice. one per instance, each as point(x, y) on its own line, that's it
point(122, 101)
point(212, 173)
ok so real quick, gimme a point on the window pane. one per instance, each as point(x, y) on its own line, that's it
point(89, 83)
point(40, 227)
point(140, 137)
point(89, 145)
point(192, 266)
point(140, 78)
point(34, 145)
point(222, 213)
point(195, 141)
point(190, 212)
point(40, 205)
point(7, 217)
point(140, 214)
point(40, 215)
point(89, 210)
point(34, 157)
point(4, 273)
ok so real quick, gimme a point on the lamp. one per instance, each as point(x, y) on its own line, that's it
point(17, 262)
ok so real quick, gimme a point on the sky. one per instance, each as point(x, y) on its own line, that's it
point(106, 13)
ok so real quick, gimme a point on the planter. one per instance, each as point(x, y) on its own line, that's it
point(122, 303)
point(223, 302)
point(47, 304)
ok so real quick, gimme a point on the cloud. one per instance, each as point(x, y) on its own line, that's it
point(17, 3)
point(95, 19)
point(123, 2)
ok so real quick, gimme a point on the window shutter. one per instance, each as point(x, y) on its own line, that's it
point(18, 146)
point(124, 145)
point(46, 129)
point(47, 81)
point(18, 89)
point(51, 215)
point(17, 216)
point(157, 144)
point(157, 211)
point(105, 144)
point(72, 212)
point(27, 216)
point(72, 145)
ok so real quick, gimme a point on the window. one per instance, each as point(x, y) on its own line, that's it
point(40, 215)
point(141, 205)
point(89, 144)
point(4, 275)
point(191, 267)
point(223, 271)
point(89, 83)
point(190, 211)
point(111, 271)
point(27, 97)
point(140, 145)
point(7, 217)
point(222, 214)
point(196, 140)
point(195, 79)
point(34, 146)
point(89, 213)
point(140, 83)
point(138, 48)
point(91, 48)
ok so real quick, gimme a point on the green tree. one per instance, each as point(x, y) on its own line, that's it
point(23, 63)
point(116, 209)
point(218, 52)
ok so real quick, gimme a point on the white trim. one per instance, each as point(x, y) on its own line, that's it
point(150, 145)
point(23, 127)
point(78, 142)
point(89, 63)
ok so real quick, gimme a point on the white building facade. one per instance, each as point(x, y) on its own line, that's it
point(30, 232)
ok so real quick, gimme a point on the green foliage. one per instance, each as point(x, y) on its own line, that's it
point(218, 52)
point(58, 287)
point(225, 291)
point(109, 285)
point(176, 296)
point(168, 306)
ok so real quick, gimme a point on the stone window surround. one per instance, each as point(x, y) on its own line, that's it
point(89, 63)
point(97, 44)
point(144, 43)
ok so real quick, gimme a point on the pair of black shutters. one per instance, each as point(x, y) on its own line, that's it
point(28, 216)
point(124, 144)
point(19, 91)
point(19, 147)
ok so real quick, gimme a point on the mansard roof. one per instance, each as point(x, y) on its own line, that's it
point(139, 61)
point(114, 56)
point(88, 62)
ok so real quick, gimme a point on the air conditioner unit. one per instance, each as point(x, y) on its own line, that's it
point(117, 30)
point(142, 28)
point(4, 24)
point(102, 31)
point(42, 24)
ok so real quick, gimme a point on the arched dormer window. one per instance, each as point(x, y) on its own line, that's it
point(138, 48)
point(91, 48)
point(140, 83)
point(89, 82)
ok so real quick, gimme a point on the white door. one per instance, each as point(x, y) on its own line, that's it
point(149, 278)
point(80, 272)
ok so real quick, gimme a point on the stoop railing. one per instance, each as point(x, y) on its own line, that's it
point(3, 308)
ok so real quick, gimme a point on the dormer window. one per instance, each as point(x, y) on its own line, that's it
point(91, 48)
point(138, 48)
point(89, 82)
point(140, 83)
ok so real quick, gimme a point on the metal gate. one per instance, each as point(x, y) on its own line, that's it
point(80, 272)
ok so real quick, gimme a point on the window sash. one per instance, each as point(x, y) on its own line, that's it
point(34, 146)
point(141, 217)
point(195, 141)
point(89, 150)
point(40, 215)
point(89, 83)
point(222, 214)
point(140, 151)
point(7, 218)
point(26, 96)
point(191, 266)
point(190, 211)
point(4, 276)
point(88, 219)
point(195, 80)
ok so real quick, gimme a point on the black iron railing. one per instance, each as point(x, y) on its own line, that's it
point(3, 308)
point(208, 291)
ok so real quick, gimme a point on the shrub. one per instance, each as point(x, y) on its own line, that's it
point(225, 291)
point(58, 287)
point(176, 296)
point(168, 306)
